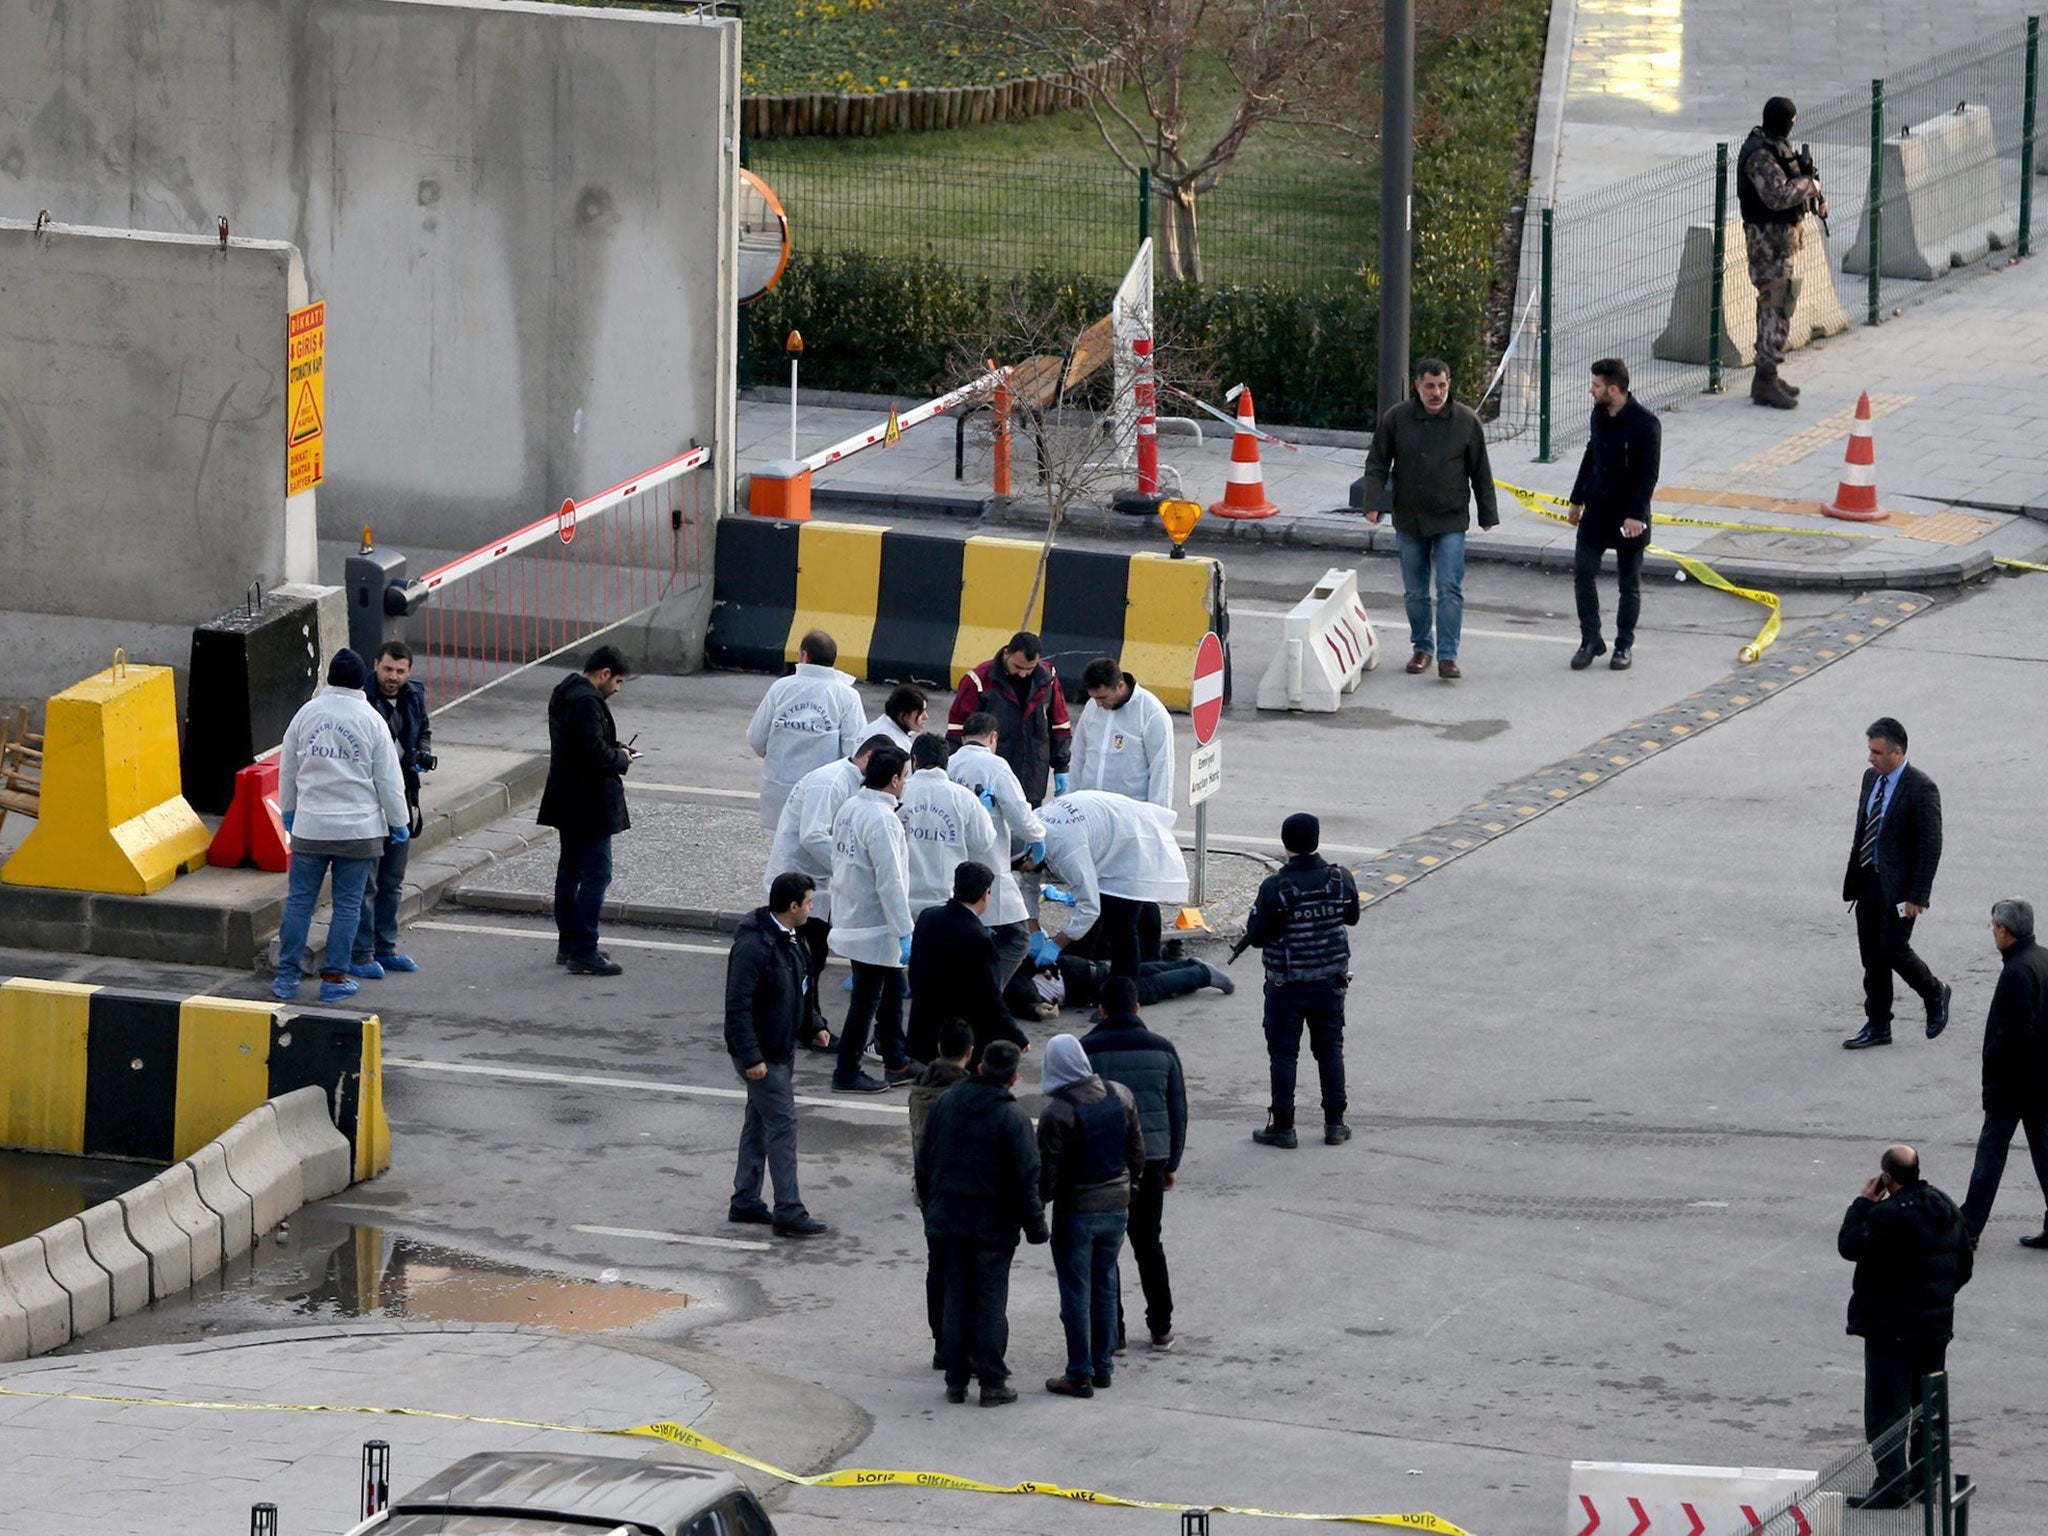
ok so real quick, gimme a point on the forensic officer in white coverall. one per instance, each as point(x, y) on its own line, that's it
point(945, 824)
point(1125, 740)
point(1018, 831)
point(805, 721)
point(1115, 855)
point(872, 922)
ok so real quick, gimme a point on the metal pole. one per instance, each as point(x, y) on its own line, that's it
point(745, 365)
point(1543, 350)
point(1397, 197)
point(2027, 137)
point(1715, 318)
point(1875, 197)
point(792, 405)
point(1196, 894)
point(1145, 203)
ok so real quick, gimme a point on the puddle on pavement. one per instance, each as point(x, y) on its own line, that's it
point(40, 1189)
point(328, 1270)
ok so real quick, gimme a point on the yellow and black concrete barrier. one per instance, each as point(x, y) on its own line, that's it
point(109, 1072)
point(920, 608)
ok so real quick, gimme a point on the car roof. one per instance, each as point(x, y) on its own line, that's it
point(656, 1495)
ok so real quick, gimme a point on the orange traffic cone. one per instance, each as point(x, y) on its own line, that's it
point(1245, 495)
point(1856, 494)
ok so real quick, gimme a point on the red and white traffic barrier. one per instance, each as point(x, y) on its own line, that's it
point(1856, 493)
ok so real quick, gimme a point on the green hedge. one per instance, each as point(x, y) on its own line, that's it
point(901, 324)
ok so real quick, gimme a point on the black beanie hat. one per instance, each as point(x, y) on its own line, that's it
point(1778, 114)
point(1301, 833)
point(347, 670)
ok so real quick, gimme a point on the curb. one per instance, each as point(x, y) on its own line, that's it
point(124, 1253)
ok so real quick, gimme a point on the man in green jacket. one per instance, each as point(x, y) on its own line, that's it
point(1427, 465)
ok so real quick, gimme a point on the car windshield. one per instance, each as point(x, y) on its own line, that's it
point(492, 1525)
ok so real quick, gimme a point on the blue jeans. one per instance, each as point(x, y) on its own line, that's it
point(583, 873)
point(377, 933)
point(1434, 632)
point(302, 894)
point(1085, 1245)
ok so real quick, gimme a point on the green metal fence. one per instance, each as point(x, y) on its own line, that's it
point(1302, 228)
point(1605, 269)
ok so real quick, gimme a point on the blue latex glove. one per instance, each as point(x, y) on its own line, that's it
point(1056, 893)
point(1059, 783)
point(1035, 852)
point(988, 798)
point(1044, 951)
point(906, 952)
point(401, 835)
point(288, 815)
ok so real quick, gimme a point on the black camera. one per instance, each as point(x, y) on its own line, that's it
point(425, 762)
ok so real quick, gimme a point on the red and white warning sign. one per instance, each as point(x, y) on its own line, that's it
point(1620, 1498)
point(1206, 700)
point(565, 521)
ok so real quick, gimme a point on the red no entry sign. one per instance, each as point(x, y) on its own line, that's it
point(1206, 699)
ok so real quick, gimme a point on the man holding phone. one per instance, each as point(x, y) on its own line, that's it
point(1912, 1254)
point(585, 802)
point(1893, 855)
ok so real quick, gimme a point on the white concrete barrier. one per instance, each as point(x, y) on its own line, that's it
point(225, 1198)
point(165, 1246)
point(26, 1272)
point(90, 1288)
point(127, 1266)
point(1327, 646)
point(264, 1168)
point(1818, 313)
point(1625, 1496)
point(306, 1122)
point(1944, 198)
point(200, 1223)
point(13, 1324)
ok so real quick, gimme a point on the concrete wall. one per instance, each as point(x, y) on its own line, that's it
point(520, 216)
point(142, 425)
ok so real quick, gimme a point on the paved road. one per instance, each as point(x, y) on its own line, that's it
point(1606, 1131)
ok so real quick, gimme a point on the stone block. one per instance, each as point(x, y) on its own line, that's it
point(225, 1198)
point(25, 1272)
point(307, 1126)
point(127, 1266)
point(88, 1286)
point(1819, 311)
point(166, 1246)
point(200, 1223)
point(264, 1168)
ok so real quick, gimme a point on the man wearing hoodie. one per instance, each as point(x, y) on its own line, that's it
point(804, 721)
point(1912, 1254)
point(1298, 921)
point(1122, 1050)
point(766, 1008)
point(585, 802)
point(341, 793)
point(1125, 740)
point(1427, 465)
point(1091, 1155)
point(977, 1179)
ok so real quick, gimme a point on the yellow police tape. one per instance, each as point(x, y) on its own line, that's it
point(845, 1477)
point(1542, 505)
point(2018, 565)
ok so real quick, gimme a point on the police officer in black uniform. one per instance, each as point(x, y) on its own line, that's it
point(1298, 921)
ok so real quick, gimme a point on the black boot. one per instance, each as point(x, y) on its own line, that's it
point(1279, 1130)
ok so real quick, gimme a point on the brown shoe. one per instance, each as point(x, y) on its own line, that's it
point(1448, 671)
point(1764, 389)
point(1420, 661)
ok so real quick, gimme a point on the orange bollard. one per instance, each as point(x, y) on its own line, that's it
point(1000, 410)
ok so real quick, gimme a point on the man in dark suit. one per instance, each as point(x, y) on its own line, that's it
point(953, 969)
point(1610, 506)
point(585, 802)
point(1890, 879)
point(767, 1005)
point(2015, 1066)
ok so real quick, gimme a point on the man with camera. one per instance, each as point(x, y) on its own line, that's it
point(402, 702)
point(1776, 189)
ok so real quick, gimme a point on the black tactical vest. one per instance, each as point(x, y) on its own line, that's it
point(1313, 946)
point(1754, 209)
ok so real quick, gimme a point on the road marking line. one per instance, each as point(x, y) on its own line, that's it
point(1251, 611)
point(698, 789)
point(438, 926)
point(675, 1237)
point(578, 1080)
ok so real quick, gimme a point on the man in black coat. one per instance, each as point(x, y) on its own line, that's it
point(767, 1006)
point(2015, 1066)
point(585, 802)
point(1890, 879)
point(953, 969)
point(1610, 506)
point(1123, 1050)
point(1912, 1254)
point(977, 1179)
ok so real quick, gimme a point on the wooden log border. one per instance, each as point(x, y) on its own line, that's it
point(817, 114)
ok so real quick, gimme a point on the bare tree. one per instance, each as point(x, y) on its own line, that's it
point(1291, 63)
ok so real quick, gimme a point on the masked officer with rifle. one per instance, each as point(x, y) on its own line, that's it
point(1776, 189)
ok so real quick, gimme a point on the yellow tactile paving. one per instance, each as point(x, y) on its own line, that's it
point(1823, 432)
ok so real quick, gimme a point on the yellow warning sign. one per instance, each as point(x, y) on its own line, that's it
point(893, 433)
point(306, 354)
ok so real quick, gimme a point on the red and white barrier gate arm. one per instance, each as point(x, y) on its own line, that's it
point(915, 416)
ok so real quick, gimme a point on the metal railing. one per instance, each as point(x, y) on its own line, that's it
point(563, 580)
point(1903, 1483)
point(1600, 271)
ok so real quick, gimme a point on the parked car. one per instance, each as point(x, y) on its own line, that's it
point(542, 1493)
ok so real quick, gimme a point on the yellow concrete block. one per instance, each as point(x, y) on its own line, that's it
point(223, 1067)
point(373, 1129)
point(113, 818)
point(994, 576)
point(1171, 608)
point(43, 1028)
point(838, 586)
